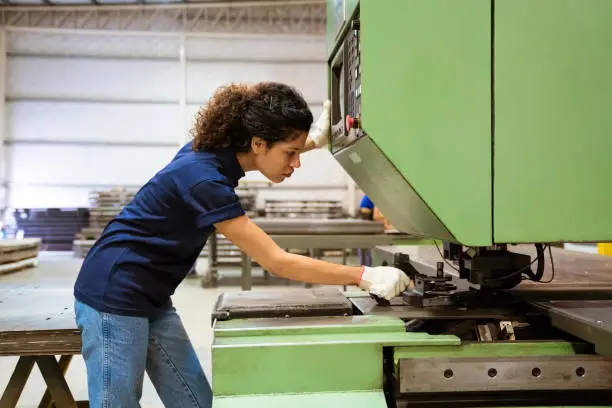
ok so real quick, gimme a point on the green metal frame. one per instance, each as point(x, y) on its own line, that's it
point(497, 349)
point(359, 399)
point(553, 126)
point(307, 358)
point(437, 130)
point(537, 173)
point(494, 113)
point(333, 361)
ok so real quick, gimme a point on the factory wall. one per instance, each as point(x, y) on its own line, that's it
point(87, 111)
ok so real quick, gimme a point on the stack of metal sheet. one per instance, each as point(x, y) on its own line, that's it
point(304, 209)
point(307, 226)
point(248, 201)
point(113, 198)
point(18, 254)
point(56, 227)
point(81, 247)
point(293, 217)
point(227, 253)
point(324, 301)
point(105, 205)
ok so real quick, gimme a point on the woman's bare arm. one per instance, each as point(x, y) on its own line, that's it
point(258, 245)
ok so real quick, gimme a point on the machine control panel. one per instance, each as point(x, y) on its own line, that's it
point(352, 50)
point(346, 90)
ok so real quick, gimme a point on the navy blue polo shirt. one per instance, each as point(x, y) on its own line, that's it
point(148, 249)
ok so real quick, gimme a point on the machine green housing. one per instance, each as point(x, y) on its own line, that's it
point(486, 121)
point(477, 122)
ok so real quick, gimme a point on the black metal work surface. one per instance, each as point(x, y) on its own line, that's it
point(590, 320)
point(37, 320)
point(399, 309)
point(299, 302)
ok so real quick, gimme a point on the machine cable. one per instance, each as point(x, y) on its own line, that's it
point(552, 265)
point(540, 258)
point(443, 258)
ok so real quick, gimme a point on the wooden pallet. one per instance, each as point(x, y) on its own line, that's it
point(18, 266)
point(10, 245)
point(18, 254)
point(82, 246)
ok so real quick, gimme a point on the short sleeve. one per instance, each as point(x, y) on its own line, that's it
point(213, 202)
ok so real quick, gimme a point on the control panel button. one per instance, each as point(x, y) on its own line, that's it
point(352, 123)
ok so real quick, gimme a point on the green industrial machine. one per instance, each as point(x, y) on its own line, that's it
point(484, 125)
point(477, 122)
point(493, 114)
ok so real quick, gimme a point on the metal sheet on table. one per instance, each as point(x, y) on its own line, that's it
point(319, 226)
point(590, 320)
point(37, 320)
point(30, 308)
point(299, 302)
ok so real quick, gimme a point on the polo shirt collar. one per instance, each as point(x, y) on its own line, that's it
point(231, 165)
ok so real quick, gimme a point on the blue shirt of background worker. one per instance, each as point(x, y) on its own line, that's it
point(366, 207)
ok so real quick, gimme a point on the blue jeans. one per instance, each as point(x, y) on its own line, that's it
point(118, 349)
point(365, 256)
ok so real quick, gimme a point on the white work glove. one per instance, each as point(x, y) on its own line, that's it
point(320, 130)
point(384, 281)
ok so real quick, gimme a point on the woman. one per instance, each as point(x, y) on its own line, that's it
point(123, 290)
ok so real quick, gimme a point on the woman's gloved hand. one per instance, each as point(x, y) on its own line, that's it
point(320, 130)
point(384, 281)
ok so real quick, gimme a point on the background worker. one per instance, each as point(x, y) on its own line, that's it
point(122, 294)
point(366, 208)
point(366, 212)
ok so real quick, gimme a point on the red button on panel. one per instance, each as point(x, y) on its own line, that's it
point(352, 122)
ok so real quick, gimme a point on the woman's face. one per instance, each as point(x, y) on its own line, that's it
point(279, 161)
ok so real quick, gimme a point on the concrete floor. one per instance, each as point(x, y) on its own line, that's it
point(193, 303)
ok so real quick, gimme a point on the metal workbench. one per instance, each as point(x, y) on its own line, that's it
point(308, 234)
point(37, 324)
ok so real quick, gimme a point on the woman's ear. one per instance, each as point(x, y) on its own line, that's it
point(258, 145)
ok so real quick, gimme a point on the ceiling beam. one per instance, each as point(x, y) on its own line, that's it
point(305, 17)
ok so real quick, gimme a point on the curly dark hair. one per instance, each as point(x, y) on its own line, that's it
point(270, 110)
